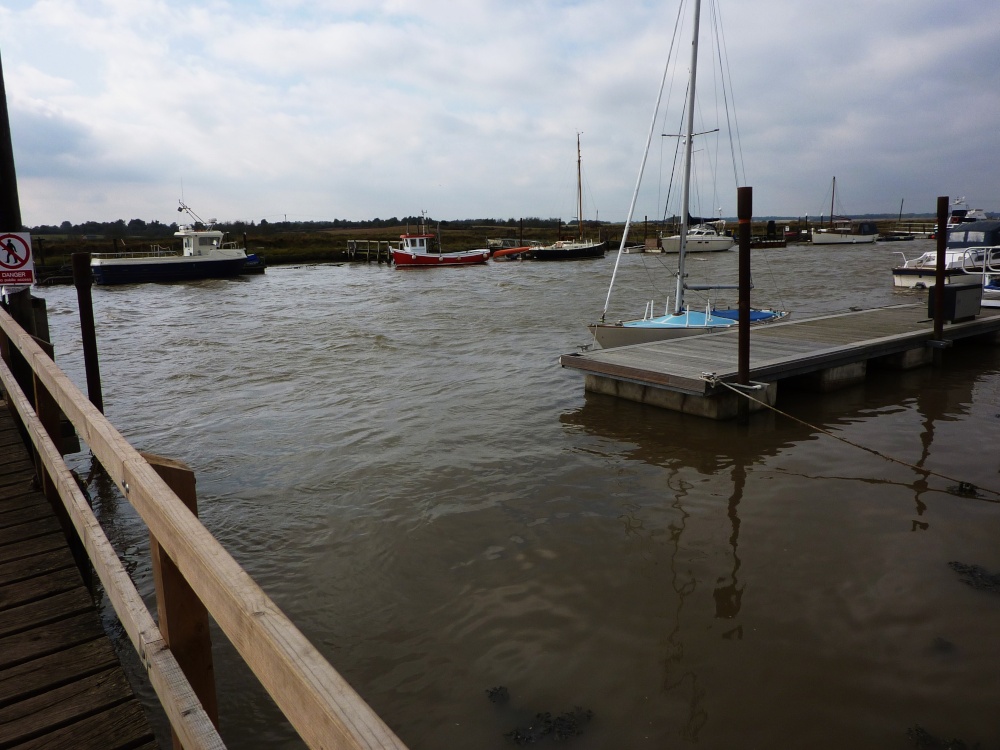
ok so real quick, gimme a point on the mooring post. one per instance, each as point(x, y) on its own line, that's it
point(942, 245)
point(82, 280)
point(183, 617)
point(744, 212)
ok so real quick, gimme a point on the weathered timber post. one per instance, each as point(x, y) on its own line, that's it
point(183, 619)
point(82, 280)
point(744, 212)
point(942, 246)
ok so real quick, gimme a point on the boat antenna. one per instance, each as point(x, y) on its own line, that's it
point(184, 207)
point(579, 189)
point(638, 179)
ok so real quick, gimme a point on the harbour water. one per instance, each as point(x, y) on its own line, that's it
point(398, 459)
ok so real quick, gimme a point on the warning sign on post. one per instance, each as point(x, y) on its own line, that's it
point(16, 264)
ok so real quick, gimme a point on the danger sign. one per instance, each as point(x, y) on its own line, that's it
point(16, 264)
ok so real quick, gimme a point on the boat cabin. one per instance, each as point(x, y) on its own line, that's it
point(418, 243)
point(197, 242)
point(980, 233)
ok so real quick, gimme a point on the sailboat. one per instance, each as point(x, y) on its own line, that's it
point(573, 249)
point(844, 231)
point(682, 321)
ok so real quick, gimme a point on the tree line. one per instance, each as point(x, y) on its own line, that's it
point(121, 229)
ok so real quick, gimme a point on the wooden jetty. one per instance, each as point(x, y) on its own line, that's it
point(195, 579)
point(822, 354)
point(368, 250)
point(61, 684)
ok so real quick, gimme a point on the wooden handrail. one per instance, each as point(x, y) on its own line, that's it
point(322, 707)
point(186, 715)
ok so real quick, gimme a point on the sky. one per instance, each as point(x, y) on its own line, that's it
point(311, 110)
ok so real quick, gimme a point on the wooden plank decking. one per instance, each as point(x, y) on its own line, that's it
point(61, 685)
point(779, 350)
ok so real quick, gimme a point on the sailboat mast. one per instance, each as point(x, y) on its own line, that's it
point(686, 184)
point(833, 194)
point(579, 190)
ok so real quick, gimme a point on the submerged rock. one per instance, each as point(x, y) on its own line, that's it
point(924, 740)
point(562, 727)
point(498, 694)
point(977, 577)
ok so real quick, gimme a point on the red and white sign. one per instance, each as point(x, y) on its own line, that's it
point(16, 264)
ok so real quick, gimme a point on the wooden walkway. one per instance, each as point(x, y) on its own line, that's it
point(777, 351)
point(61, 685)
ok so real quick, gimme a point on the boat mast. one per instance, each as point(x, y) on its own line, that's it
point(579, 190)
point(833, 194)
point(686, 184)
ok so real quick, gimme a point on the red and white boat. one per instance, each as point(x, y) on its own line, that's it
point(422, 251)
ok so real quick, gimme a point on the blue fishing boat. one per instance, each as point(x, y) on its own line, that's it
point(204, 254)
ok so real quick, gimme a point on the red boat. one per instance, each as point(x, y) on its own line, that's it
point(421, 251)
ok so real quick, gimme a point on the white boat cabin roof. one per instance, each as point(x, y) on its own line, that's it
point(417, 241)
point(198, 241)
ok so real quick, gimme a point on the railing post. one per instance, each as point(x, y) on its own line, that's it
point(183, 616)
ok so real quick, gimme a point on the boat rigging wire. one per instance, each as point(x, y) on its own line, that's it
point(638, 179)
point(966, 489)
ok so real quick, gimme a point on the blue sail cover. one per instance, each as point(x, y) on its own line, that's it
point(755, 315)
point(689, 319)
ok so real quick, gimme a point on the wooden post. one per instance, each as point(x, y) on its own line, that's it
point(942, 246)
point(183, 617)
point(82, 280)
point(744, 212)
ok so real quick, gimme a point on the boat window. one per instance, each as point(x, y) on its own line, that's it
point(977, 237)
point(206, 241)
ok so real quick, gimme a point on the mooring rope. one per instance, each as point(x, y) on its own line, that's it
point(964, 489)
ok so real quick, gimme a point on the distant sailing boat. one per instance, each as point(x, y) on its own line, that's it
point(844, 231)
point(569, 249)
point(682, 321)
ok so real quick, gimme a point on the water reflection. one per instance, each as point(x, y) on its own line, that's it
point(729, 595)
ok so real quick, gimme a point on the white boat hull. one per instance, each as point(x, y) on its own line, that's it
point(834, 238)
point(699, 244)
point(691, 323)
point(913, 278)
point(610, 336)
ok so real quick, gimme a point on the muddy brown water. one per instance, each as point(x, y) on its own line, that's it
point(398, 459)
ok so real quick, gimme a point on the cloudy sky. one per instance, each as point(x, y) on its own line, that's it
point(357, 109)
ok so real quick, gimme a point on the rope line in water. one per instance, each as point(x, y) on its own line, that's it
point(966, 489)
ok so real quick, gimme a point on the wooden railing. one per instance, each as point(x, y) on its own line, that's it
point(190, 563)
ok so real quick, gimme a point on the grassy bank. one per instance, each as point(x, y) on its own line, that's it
point(53, 253)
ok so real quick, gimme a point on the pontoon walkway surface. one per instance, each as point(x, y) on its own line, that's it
point(61, 684)
point(822, 353)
